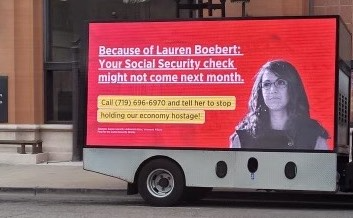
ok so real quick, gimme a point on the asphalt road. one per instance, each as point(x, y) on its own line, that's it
point(230, 204)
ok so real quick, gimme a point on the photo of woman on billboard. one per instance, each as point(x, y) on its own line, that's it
point(278, 116)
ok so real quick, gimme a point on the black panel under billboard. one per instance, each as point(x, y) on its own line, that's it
point(3, 100)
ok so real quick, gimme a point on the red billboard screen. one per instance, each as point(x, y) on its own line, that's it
point(219, 84)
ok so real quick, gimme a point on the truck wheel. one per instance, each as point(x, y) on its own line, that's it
point(161, 183)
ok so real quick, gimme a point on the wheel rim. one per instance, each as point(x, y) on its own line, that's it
point(160, 183)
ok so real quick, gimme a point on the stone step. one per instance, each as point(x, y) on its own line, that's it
point(15, 158)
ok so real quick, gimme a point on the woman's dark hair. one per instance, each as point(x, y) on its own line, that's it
point(257, 118)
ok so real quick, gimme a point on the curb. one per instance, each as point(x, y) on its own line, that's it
point(40, 190)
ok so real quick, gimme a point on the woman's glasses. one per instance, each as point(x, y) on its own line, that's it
point(279, 83)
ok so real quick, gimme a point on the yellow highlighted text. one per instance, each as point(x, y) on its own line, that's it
point(167, 102)
point(151, 116)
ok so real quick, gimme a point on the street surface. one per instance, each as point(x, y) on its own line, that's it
point(106, 205)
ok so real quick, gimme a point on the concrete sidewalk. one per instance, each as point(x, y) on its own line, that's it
point(52, 177)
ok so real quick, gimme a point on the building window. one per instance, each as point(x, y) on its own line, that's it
point(59, 88)
point(65, 25)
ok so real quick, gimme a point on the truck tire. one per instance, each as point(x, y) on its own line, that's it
point(161, 182)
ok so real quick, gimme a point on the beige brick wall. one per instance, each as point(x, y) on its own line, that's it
point(21, 59)
point(344, 8)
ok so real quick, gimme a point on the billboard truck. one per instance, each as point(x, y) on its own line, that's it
point(176, 108)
